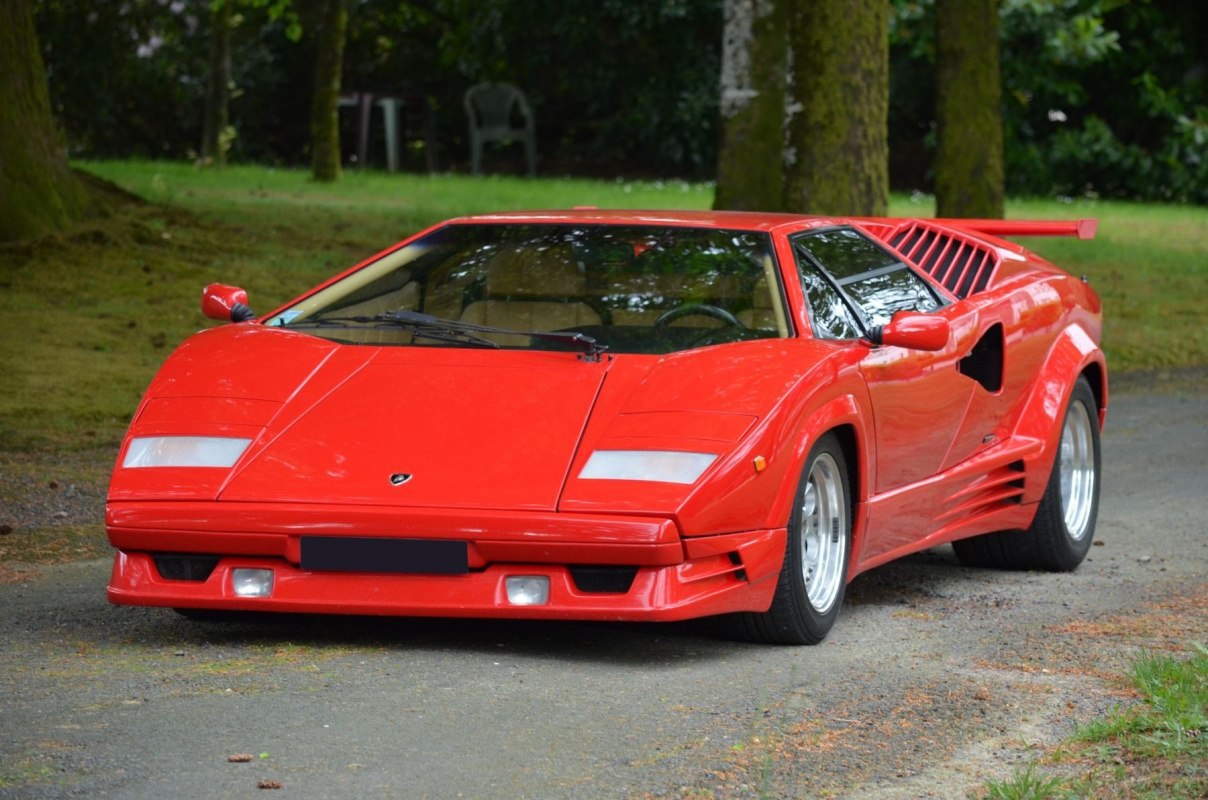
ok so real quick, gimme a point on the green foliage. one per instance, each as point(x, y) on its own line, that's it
point(611, 81)
point(1102, 98)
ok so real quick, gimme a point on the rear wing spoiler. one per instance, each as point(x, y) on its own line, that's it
point(1082, 228)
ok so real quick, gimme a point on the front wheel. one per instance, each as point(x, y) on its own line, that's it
point(1061, 533)
point(813, 577)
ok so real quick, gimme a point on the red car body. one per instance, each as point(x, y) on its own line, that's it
point(949, 422)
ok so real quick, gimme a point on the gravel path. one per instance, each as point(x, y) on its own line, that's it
point(936, 677)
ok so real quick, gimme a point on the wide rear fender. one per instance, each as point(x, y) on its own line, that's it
point(1072, 355)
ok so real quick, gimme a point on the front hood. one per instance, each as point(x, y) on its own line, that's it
point(345, 424)
point(449, 428)
point(444, 427)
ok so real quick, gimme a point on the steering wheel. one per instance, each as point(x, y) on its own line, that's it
point(700, 310)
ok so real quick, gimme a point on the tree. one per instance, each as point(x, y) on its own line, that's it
point(754, 55)
point(38, 193)
point(324, 116)
point(837, 160)
point(969, 122)
point(216, 136)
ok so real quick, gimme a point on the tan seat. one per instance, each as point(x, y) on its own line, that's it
point(532, 290)
point(761, 315)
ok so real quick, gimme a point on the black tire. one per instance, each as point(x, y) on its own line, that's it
point(1064, 526)
point(804, 609)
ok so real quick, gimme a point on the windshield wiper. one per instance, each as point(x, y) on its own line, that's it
point(381, 321)
point(426, 324)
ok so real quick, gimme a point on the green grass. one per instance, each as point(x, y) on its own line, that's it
point(1154, 750)
point(1025, 784)
point(87, 316)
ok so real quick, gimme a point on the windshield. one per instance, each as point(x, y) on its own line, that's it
point(632, 289)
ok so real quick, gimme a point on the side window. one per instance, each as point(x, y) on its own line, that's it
point(829, 314)
point(876, 283)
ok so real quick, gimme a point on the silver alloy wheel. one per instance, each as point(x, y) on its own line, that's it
point(1077, 465)
point(823, 533)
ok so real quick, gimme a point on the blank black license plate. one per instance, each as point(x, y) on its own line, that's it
point(371, 554)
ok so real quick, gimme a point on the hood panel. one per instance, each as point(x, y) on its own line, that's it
point(241, 361)
point(471, 434)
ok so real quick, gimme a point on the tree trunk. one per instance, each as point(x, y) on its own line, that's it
point(324, 115)
point(38, 193)
point(754, 55)
point(968, 89)
point(837, 160)
point(216, 134)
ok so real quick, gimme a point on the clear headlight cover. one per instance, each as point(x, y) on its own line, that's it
point(184, 451)
point(659, 466)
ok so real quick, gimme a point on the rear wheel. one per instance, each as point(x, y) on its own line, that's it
point(1064, 526)
point(813, 578)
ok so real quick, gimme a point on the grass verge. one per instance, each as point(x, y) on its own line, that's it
point(1156, 749)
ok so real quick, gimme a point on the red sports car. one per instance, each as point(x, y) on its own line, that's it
point(615, 415)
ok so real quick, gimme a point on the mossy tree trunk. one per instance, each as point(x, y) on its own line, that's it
point(38, 193)
point(968, 88)
point(837, 160)
point(754, 55)
point(216, 134)
point(324, 115)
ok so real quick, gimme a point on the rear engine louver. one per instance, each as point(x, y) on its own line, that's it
point(961, 264)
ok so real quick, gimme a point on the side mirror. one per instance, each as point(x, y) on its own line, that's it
point(913, 331)
point(225, 303)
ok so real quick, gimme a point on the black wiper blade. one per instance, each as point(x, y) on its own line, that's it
point(421, 330)
point(328, 322)
point(592, 350)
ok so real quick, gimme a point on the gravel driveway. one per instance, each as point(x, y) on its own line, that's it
point(935, 678)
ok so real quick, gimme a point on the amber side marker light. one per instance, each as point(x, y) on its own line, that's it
point(760, 463)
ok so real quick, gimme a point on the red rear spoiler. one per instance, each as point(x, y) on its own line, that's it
point(1082, 228)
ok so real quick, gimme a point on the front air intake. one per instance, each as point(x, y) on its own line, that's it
point(178, 567)
point(603, 580)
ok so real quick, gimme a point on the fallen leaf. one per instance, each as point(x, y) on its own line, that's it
point(268, 785)
point(239, 758)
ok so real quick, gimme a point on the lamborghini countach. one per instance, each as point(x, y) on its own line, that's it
point(621, 415)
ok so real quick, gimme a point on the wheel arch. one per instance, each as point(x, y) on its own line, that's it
point(841, 417)
point(1095, 373)
point(1073, 355)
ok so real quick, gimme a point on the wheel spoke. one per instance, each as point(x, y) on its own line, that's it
point(1077, 465)
point(823, 539)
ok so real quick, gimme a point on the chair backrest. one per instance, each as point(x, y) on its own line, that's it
point(490, 106)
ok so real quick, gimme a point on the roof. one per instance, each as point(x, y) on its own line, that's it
point(734, 220)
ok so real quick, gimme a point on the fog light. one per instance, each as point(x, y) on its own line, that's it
point(528, 590)
point(252, 582)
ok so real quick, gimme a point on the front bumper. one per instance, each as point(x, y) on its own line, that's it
point(674, 578)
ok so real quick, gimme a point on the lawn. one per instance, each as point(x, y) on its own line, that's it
point(87, 316)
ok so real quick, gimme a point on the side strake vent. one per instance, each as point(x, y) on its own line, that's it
point(963, 265)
